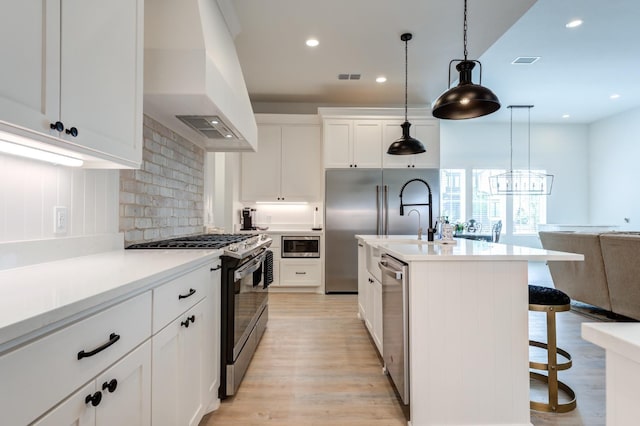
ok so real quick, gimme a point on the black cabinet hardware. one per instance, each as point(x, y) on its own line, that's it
point(192, 291)
point(301, 273)
point(185, 323)
point(216, 268)
point(57, 126)
point(72, 131)
point(110, 386)
point(94, 399)
point(113, 337)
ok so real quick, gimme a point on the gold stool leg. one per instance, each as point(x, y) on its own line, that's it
point(553, 384)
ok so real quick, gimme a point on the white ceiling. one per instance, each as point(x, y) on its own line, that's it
point(579, 68)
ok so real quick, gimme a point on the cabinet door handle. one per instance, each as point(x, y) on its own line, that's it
point(113, 337)
point(110, 386)
point(94, 399)
point(57, 126)
point(192, 291)
point(216, 268)
point(185, 323)
point(301, 273)
point(72, 131)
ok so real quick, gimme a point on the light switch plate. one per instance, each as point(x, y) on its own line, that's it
point(60, 220)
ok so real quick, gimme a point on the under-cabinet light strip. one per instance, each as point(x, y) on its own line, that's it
point(12, 148)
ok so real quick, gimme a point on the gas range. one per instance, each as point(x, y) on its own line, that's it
point(238, 246)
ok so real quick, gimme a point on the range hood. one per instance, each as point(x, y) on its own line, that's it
point(193, 83)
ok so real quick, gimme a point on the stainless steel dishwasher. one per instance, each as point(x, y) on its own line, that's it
point(395, 322)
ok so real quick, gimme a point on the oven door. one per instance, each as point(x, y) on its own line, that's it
point(250, 298)
point(298, 246)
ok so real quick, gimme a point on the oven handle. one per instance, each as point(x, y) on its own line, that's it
point(250, 268)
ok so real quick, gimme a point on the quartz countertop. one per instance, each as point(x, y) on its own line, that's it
point(622, 338)
point(410, 249)
point(38, 297)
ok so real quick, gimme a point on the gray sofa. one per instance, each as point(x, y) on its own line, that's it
point(608, 278)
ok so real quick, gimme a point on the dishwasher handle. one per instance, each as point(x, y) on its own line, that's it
point(386, 270)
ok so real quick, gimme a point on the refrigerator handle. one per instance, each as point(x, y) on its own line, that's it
point(386, 210)
point(378, 230)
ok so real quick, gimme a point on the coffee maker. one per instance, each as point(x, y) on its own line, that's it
point(248, 219)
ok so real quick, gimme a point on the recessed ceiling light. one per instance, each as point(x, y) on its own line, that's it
point(573, 24)
point(381, 79)
point(614, 96)
point(565, 116)
point(214, 121)
point(312, 42)
point(228, 136)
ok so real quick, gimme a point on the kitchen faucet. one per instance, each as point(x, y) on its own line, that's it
point(430, 230)
point(419, 226)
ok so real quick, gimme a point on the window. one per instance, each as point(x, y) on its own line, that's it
point(462, 201)
point(452, 194)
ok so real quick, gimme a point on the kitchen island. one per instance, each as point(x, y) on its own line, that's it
point(468, 328)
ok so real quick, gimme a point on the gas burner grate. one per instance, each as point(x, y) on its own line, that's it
point(204, 241)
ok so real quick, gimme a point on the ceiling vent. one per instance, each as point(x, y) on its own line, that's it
point(210, 126)
point(348, 76)
point(525, 60)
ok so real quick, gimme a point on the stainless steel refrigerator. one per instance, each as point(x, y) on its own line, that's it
point(367, 201)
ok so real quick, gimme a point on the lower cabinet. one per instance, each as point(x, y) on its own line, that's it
point(119, 396)
point(300, 273)
point(178, 367)
point(369, 299)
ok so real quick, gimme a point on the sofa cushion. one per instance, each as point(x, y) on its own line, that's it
point(584, 281)
point(621, 254)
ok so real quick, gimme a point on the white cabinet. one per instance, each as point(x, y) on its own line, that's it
point(79, 65)
point(363, 284)
point(426, 131)
point(352, 143)
point(37, 376)
point(369, 298)
point(178, 364)
point(185, 350)
point(119, 396)
point(300, 272)
point(287, 165)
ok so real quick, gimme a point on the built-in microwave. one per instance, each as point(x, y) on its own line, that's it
point(300, 246)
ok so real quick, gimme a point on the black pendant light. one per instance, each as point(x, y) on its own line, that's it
point(466, 100)
point(406, 145)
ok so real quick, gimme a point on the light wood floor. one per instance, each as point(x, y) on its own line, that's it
point(316, 365)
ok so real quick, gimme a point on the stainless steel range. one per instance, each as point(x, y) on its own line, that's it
point(246, 273)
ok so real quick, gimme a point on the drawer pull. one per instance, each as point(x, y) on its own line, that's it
point(94, 399)
point(113, 337)
point(192, 291)
point(110, 386)
point(216, 268)
point(301, 273)
point(185, 323)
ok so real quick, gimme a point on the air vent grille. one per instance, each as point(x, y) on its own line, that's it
point(525, 60)
point(349, 76)
point(210, 126)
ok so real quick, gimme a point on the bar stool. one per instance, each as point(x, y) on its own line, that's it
point(550, 300)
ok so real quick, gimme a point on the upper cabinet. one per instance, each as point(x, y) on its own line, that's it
point(352, 143)
point(360, 137)
point(426, 131)
point(71, 77)
point(287, 165)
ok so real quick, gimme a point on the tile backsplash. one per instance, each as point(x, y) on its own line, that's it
point(164, 198)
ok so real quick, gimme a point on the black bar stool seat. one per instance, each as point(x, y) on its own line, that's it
point(550, 300)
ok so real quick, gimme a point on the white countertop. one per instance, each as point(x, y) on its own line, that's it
point(622, 338)
point(38, 296)
point(410, 249)
point(284, 230)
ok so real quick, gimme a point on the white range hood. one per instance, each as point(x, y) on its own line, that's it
point(192, 76)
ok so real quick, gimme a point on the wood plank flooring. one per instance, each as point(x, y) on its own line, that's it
point(316, 365)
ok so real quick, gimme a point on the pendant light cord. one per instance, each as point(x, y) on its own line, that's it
point(406, 76)
point(511, 141)
point(464, 29)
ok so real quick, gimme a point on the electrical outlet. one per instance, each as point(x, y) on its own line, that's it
point(60, 220)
